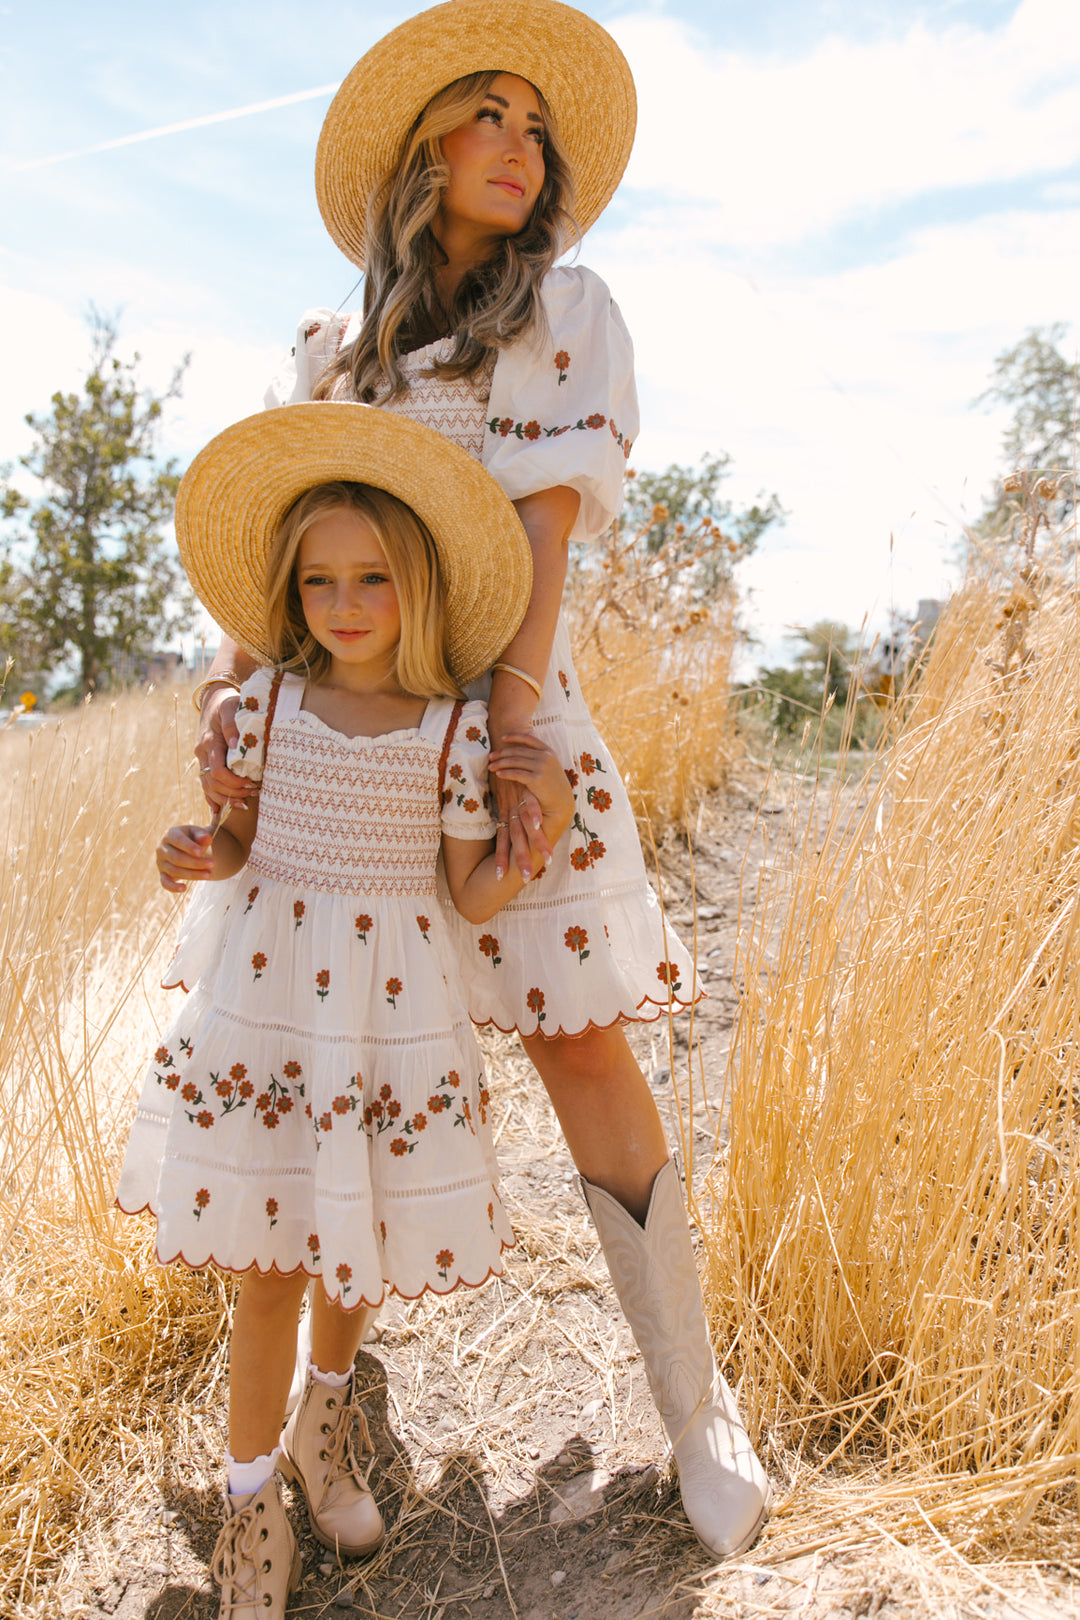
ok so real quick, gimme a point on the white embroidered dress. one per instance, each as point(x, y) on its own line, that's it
point(586, 944)
point(319, 1102)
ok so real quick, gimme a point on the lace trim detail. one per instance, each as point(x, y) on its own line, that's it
point(322, 1038)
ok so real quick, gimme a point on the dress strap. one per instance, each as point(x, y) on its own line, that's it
point(451, 727)
point(271, 709)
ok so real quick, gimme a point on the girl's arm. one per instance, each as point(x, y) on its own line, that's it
point(477, 886)
point(190, 854)
point(217, 725)
point(547, 518)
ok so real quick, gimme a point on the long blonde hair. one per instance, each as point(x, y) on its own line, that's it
point(422, 666)
point(496, 302)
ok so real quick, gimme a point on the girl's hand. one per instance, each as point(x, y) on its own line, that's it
point(218, 733)
point(522, 761)
point(185, 855)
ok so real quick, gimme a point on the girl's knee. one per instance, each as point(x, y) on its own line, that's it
point(594, 1059)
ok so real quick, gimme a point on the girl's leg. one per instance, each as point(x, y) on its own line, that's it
point(261, 1360)
point(632, 1189)
point(318, 1446)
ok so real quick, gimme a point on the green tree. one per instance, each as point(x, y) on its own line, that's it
point(85, 573)
point(1041, 385)
point(675, 504)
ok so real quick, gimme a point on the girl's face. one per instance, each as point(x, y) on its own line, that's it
point(496, 164)
point(348, 597)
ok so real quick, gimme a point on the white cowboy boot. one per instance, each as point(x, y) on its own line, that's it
point(724, 1489)
point(317, 1453)
point(256, 1561)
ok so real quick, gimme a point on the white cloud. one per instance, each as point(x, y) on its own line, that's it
point(773, 150)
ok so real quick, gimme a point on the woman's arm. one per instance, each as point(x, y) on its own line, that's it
point(190, 854)
point(217, 726)
point(476, 885)
point(547, 518)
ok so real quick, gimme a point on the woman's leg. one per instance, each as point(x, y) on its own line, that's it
point(633, 1192)
point(261, 1360)
point(606, 1111)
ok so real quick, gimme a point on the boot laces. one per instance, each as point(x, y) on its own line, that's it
point(235, 1560)
point(340, 1448)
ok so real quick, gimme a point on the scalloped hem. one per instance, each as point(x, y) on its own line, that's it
point(316, 1276)
point(636, 1017)
point(177, 984)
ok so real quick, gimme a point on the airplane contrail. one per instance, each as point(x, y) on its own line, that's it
point(175, 129)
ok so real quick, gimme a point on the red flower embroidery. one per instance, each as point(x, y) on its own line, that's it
point(252, 896)
point(386, 1092)
point(298, 912)
point(237, 1072)
point(573, 778)
point(343, 1274)
point(258, 962)
point(264, 1101)
point(341, 1105)
point(162, 1055)
point(597, 850)
point(269, 1119)
point(393, 990)
point(457, 773)
point(595, 421)
point(506, 425)
point(535, 1003)
point(393, 1109)
point(205, 1119)
point(531, 430)
point(399, 1147)
point(322, 983)
point(488, 945)
point(363, 927)
point(562, 365)
point(271, 1210)
point(249, 739)
point(223, 1089)
point(251, 704)
point(292, 1070)
point(668, 974)
point(470, 805)
point(246, 1089)
point(588, 764)
point(419, 1122)
point(474, 734)
point(444, 1260)
point(172, 1081)
point(423, 924)
point(437, 1104)
point(325, 1122)
point(284, 1105)
point(190, 1092)
point(313, 1244)
point(202, 1198)
point(600, 799)
point(579, 860)
point(577, 939)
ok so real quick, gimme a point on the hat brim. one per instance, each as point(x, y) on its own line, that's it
point(233, 497)
point(582, 73)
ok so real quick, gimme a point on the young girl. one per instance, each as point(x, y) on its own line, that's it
point(318, 1107)
point(459, 159)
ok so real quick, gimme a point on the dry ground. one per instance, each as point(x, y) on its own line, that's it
point(519, 1463)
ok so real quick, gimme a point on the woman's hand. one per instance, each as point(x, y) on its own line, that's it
point(530, 764)
point(217, 734)
point(519, 835)
point(185, 855)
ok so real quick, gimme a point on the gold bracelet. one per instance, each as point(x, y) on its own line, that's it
point(522, 675)
point(213, 680)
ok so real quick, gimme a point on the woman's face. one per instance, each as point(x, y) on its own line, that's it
point(496, 163)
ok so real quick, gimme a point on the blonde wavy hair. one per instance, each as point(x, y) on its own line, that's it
point(496, 302)
point(423, 667)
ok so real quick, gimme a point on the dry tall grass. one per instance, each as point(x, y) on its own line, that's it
point(83, 1311)
point(893, 1235)
point(654, 659)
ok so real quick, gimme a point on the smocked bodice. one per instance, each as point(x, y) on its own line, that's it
point(455, 407)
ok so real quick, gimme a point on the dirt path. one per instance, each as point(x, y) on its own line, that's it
point(517, 1449)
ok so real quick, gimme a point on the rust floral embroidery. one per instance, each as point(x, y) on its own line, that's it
point(344, 1275)
point(564, 682)
point(505, 427)
point(322, 983)
point(424, 924)
point(251, 704)
point(393, 990)
point(535, 1003)
point(363, 927)
point(258, 962)
point(313, 1245)
point(253, 895)
point(271, 1211)
point(668, 974)
point(577, 939)
point(298, 913)
point(488, 945)
point(444, 1260)
point(247, 742)
point(202, 1198)
point(562, 364)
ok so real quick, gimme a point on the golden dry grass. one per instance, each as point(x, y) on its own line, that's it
point(892, 1231)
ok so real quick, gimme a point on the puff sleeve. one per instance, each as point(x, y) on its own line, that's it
point(563, 409)
point(249, 755)
point(320, 335)
point(465, 802)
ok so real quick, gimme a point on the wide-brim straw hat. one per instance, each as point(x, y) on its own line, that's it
point(575, 63)
point(233, 497)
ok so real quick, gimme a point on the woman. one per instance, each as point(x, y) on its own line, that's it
point(452, 183)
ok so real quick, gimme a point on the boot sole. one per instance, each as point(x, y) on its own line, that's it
point(288, 1470)
point(751, 1536)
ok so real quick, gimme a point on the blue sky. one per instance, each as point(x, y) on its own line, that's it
point(835, 216)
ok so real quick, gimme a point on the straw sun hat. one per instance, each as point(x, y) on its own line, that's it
point(575, 63)
point(238, 489)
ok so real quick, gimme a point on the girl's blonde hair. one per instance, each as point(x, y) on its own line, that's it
point(496, 302)
point(423, 667)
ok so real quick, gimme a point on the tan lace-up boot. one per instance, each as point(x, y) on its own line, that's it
point(256, 1560)
point(724, 1488)
point(317, 1452)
